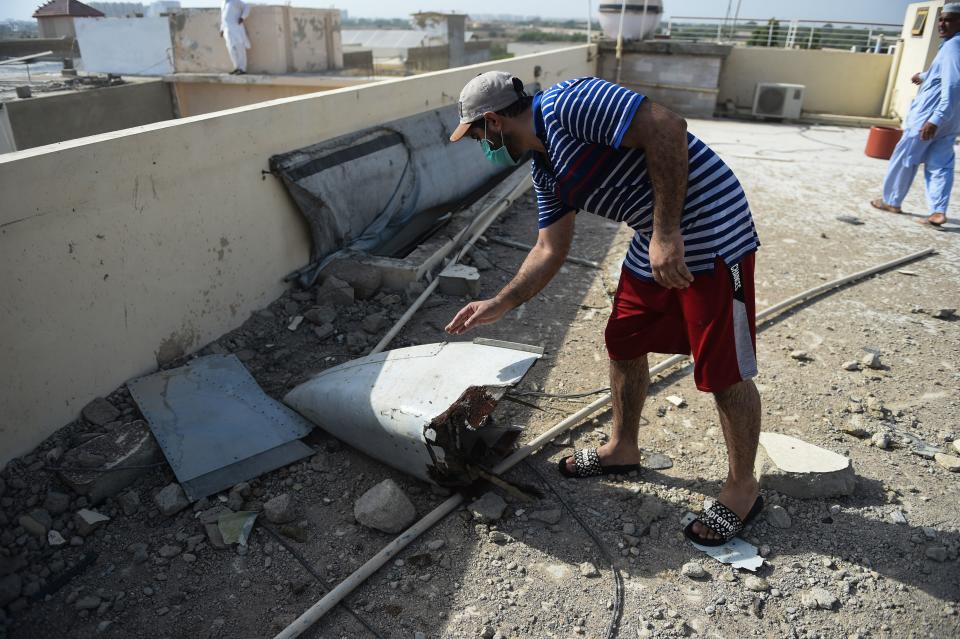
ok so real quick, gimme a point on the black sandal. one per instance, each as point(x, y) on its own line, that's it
point(586, 463)
point(722, 521)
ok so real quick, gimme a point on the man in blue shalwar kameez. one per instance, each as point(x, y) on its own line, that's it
point(930, 129)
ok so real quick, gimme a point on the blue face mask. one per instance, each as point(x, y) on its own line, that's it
point(498, 157)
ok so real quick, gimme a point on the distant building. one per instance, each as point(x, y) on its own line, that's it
point(55, 18)
point(120, 9)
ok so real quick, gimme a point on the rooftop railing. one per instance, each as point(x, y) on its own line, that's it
point(873, 37)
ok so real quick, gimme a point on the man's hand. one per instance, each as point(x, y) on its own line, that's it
point(916, 79)
point(928, 131)
point(475, 314)
point(666, 260)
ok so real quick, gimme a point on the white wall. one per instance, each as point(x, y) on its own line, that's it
point(918, 53)
point(131, 46)
point(158, 239)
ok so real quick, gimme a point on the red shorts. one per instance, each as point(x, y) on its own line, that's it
point(712, 320)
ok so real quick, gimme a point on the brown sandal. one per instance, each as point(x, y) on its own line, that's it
point(883, 206)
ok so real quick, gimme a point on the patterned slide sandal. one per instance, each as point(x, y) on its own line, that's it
point(722, 521)
point(586, 463)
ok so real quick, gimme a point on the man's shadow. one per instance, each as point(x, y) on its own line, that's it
point(888, 548)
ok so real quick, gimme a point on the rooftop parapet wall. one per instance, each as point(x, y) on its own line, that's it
point(283, 40)
point(126, 248)
point(837, 82)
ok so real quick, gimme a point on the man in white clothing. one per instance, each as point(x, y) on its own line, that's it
point(232, 15)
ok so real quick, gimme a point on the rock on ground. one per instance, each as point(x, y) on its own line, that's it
point(818, 598)
point(87, 521)
point(778, 517)
point(793, 467)
point(950, 462)
point(489, 508)
point(385, 507)
point(693, 570)
point(100, 412)
point(171, 500)
point(280, 509)
point(132, 445)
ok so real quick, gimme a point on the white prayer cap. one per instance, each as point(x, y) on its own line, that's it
point(951, 7)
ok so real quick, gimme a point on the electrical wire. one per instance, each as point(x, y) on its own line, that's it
point(317, 576)
point(613, 629)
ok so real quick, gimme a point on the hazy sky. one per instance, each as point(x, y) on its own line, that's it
point(888, 11)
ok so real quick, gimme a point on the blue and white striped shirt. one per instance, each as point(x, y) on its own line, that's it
point(581, 123)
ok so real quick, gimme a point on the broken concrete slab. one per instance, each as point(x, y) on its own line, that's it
point(385, 507)
point(363, 278)
point(950, 462)
point(131, 445)
point(799, 469)
point(460, 280)
point(100, 412)
point(88, 521)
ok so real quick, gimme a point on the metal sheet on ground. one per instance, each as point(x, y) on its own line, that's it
point(216, 426)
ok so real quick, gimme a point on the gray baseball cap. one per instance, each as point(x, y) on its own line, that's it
point(490, 91)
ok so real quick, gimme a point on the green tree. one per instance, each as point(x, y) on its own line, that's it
point(768, 35)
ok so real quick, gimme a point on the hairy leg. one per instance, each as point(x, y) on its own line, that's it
point(739, 408)
point(629, 381)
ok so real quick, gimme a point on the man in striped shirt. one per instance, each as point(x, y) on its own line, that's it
point(687, 280)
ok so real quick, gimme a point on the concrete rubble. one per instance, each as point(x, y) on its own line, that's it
point(385, 507)
point(793, 467)
point(460, 280)
point(126, 445)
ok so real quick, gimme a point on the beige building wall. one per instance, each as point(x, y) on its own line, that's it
point(314, 37)
point(126, 248)
point(283, 40)
point(917, 53)
point(837, 82)
point(55, 117)
point(194, 98)
point(56, 27)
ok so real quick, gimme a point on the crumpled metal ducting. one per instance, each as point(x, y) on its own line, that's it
point(358, 189)
point(425, 410)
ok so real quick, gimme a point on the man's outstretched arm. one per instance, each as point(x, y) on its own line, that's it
point(662, 135)
point(539, 267)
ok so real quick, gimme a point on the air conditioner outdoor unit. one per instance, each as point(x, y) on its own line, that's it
point(775, 100)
